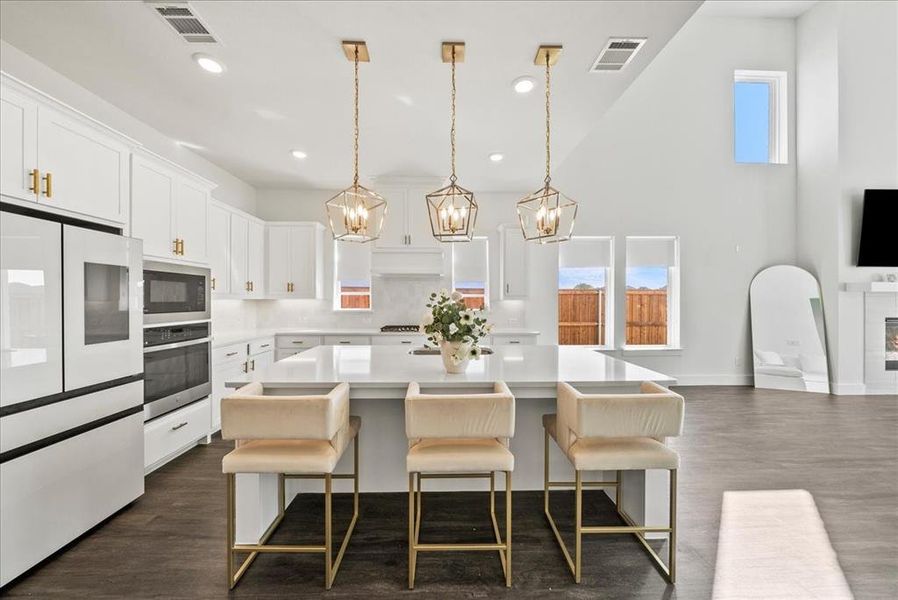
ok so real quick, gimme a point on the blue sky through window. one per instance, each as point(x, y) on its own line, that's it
point(752, 121)
point(569, 277)
point(653, 278)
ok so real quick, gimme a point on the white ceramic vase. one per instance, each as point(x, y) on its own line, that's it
point(448, 349)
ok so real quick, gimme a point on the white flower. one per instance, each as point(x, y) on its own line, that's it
point(467, 317)
point(488, 327)
point(436, 335)
point(456, 296)
point(475, 352)
point(453, 328)
point(444, 292)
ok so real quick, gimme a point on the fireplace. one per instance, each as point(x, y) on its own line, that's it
point(891, 344)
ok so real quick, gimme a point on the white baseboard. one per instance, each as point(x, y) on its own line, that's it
point(728, 379)
point(848, 389)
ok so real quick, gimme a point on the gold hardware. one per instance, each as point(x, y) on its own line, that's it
point(213, 283)
point(175, 251)
point(252, 365)
point(252, 286)
point(331, 565)
point(246, 367)
point(48, 184)
point(35, 181)
point(246, 286)
point(547, 52)
point(350, 48)
point(181, 247)
point(453, 52)
point(414, 523)
point(638, 531)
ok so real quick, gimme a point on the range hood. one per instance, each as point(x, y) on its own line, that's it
point(408, 262)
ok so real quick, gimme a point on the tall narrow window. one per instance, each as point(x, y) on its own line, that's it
point(352, 276)
point(653, 292)
point(760, 126)
point(470, 271)
point(584, 291)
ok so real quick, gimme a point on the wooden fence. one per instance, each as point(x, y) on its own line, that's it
point(581, 317)
point(360, 299)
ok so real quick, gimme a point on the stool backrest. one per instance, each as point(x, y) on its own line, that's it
point(248, 414)
point(488, 415)
point(655, 412)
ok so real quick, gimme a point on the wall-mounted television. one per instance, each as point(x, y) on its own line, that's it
point(879, 230)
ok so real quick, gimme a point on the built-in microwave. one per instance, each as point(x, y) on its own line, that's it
point(175, 293)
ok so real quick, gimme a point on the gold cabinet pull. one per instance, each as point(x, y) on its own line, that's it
point(175, 250)
point(35, 181)
point(252, 287)
point(48, 184)
point(246, 367)
point(181, 247)
point(213, 283)
point(252, 365)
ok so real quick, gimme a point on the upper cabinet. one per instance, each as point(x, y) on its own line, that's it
point(246, 258)
point(61, 159)
point(406, 224)
point(514, 263)
point(169, 210)
point(218, 248)
point(295, 260)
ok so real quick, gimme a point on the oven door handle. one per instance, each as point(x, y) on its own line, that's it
point(149, 349)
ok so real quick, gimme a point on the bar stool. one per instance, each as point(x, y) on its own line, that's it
point(458, 437)
point(296, 437)
point(615, 432)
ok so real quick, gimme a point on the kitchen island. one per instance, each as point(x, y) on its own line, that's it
point(378, 377)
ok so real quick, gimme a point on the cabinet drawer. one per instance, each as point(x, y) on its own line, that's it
point(297, 341)
point(398, 340)
point(512, 340)
point(261, 345)
point(228, 353)
point(171, 433)
point(347, 340)
point(282, 353)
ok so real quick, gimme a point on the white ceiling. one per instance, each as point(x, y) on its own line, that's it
point(288, 85)
point(772, 9)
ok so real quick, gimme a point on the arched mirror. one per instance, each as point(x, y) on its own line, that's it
point(787, 331)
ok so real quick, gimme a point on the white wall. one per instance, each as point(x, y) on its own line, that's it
point(230, 190)
point(661, 163)
point(847, 61)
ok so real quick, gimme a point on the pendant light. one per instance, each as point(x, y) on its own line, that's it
point(452, 209)
point(547, 215)
point(356, 214)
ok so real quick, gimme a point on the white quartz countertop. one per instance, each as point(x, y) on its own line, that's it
point(236, 337)
point(385, 371)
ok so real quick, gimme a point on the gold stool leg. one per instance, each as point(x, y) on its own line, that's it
point(328, 558)
point(231, 525)
point(579, 525)
point(411, 531)
point(507, 528)
point(672, 556)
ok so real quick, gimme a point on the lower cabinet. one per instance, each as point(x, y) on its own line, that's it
point(412, 340)
point(507, 339)
point(175, 433)
point(289, 345)
point(347, 340)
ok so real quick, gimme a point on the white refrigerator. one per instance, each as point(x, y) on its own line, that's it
point(71, 382)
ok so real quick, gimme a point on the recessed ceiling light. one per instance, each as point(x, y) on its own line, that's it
point(208, 63)
point(497, 156)
point(523, 85)
point(407, 100)
point(298, 154)
point(188, 145)
point(269, 115)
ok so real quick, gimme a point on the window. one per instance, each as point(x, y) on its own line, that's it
point(470, 271)
point(760, 130)
point(653, 292)
point(585, 277)
point(352, 276)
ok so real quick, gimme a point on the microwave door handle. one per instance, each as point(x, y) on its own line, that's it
point(176, 345)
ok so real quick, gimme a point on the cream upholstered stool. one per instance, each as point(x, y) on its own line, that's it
point(615, 432)
point(296, 437)
point(458, 436)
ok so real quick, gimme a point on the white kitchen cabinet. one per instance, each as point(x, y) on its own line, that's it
point(174, 433)
point(261, 354)
point(411, 340)
point(255, 258)
point(288, 345)
point(407, 224)
point(239, 227)
point(229, 362)
point(347, 340)
point(80, 165)
point(218, 248)
point(513, 339)
point(83, 169)
point(168, 210)
point(295, 260)
point(191, 202)
point(18, 145)
point(514, 263)
point(152, 190)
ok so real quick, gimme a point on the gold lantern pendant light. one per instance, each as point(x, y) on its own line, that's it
point(356, 214)
point(452, 209)
point(547, 215)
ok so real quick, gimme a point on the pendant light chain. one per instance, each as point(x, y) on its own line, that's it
point(355, 180)
point(548, 130)
point(452, 178)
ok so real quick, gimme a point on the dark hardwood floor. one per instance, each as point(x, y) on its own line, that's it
point(843, 450)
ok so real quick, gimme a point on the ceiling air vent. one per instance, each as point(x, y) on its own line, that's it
point(183, 20)
point(616, 54)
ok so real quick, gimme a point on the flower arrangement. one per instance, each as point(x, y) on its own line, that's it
point(454, 327)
